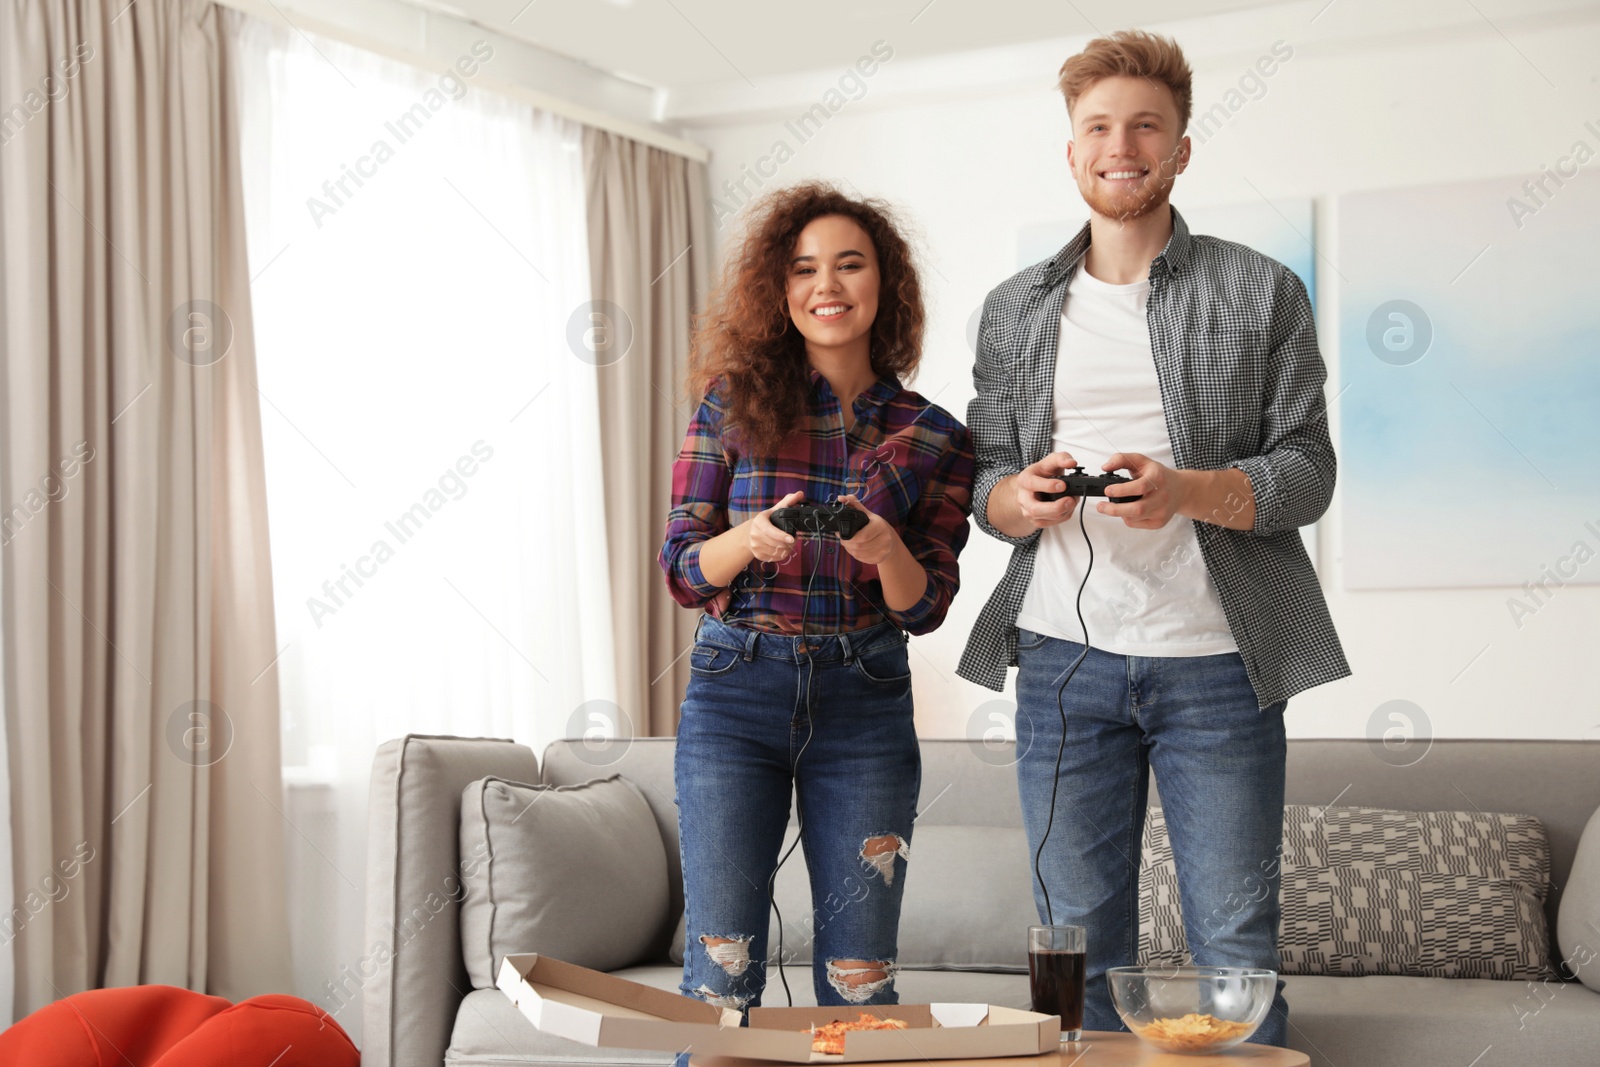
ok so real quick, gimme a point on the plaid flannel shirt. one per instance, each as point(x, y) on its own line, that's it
point(1235, 348)
point(907, 460)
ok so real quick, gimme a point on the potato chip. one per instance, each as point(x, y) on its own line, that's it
point(1190, 1033)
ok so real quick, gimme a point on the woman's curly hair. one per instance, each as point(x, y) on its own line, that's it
point(746, 337)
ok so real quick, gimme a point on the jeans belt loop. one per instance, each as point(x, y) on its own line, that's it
point(844, 644)
point(750, 646)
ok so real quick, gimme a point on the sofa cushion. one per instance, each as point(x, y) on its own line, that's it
point(1578, 928)
point(576, 872)
point(1446, 894)
point(1389, 1019)
point(975, 922)
point(969, 901)
point(646, 762)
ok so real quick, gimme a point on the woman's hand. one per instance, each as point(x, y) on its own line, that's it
point(768, 544)
point(724, 557)
point(874, 544)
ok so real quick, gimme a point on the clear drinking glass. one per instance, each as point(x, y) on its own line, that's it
point(1056, 967)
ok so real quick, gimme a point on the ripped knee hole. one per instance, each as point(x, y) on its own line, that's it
point(732, 954)
point(878, 853)
point(858, 981)
point(721, 1000)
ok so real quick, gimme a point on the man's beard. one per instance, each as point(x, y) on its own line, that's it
point(1130, 205)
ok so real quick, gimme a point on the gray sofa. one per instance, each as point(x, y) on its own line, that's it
point(420, 1009)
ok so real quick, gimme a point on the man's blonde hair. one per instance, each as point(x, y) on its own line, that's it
point(1135, 53)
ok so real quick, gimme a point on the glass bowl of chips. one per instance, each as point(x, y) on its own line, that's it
point(1192, 1010)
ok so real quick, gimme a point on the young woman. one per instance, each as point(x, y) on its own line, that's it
point(799, 675)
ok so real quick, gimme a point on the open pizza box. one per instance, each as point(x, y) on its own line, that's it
point(599, 1009)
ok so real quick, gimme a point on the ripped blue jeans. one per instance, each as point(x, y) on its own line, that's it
point(744, 721)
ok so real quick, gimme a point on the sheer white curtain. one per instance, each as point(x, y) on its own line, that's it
point(418, 250)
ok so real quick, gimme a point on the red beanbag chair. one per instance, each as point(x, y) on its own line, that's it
point(163, 1026)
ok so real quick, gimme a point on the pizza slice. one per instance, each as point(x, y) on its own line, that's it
point(829, 1037)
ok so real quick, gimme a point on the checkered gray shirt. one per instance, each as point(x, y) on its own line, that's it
point(1235, 348)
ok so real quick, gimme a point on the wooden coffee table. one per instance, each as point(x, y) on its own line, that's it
point(1097, 1049)
point(1102, 1049)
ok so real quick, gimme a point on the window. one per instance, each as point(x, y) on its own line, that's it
point(417, 250)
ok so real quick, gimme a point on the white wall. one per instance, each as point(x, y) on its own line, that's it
point(1363, 103)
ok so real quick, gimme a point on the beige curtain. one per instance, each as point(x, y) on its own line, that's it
point(141, 702)
point(648, 254)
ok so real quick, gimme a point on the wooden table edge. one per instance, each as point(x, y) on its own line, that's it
point(1115, 1049)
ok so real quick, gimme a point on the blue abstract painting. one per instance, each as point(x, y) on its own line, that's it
point(1469, 399)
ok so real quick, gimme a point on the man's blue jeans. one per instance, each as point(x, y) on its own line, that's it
point(1219, 762)
point(744, 723)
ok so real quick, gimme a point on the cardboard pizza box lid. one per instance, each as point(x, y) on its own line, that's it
point(598, 1009)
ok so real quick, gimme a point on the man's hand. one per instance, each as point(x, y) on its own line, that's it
point(1165, 492)
point(876, 542)
point(1044, 477)
point(1016, 511)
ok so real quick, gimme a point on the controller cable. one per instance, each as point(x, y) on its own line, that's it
point(794, 766)
point(1055, 785)
point(817, 533)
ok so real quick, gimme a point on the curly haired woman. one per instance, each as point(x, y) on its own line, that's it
point(799, 676)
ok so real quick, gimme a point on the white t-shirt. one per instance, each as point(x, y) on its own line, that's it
point(1149, 593)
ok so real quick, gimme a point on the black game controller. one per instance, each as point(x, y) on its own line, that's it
point(841, 519)
point(1080, 483)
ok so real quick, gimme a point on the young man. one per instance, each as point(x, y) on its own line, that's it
point(1190, 364)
